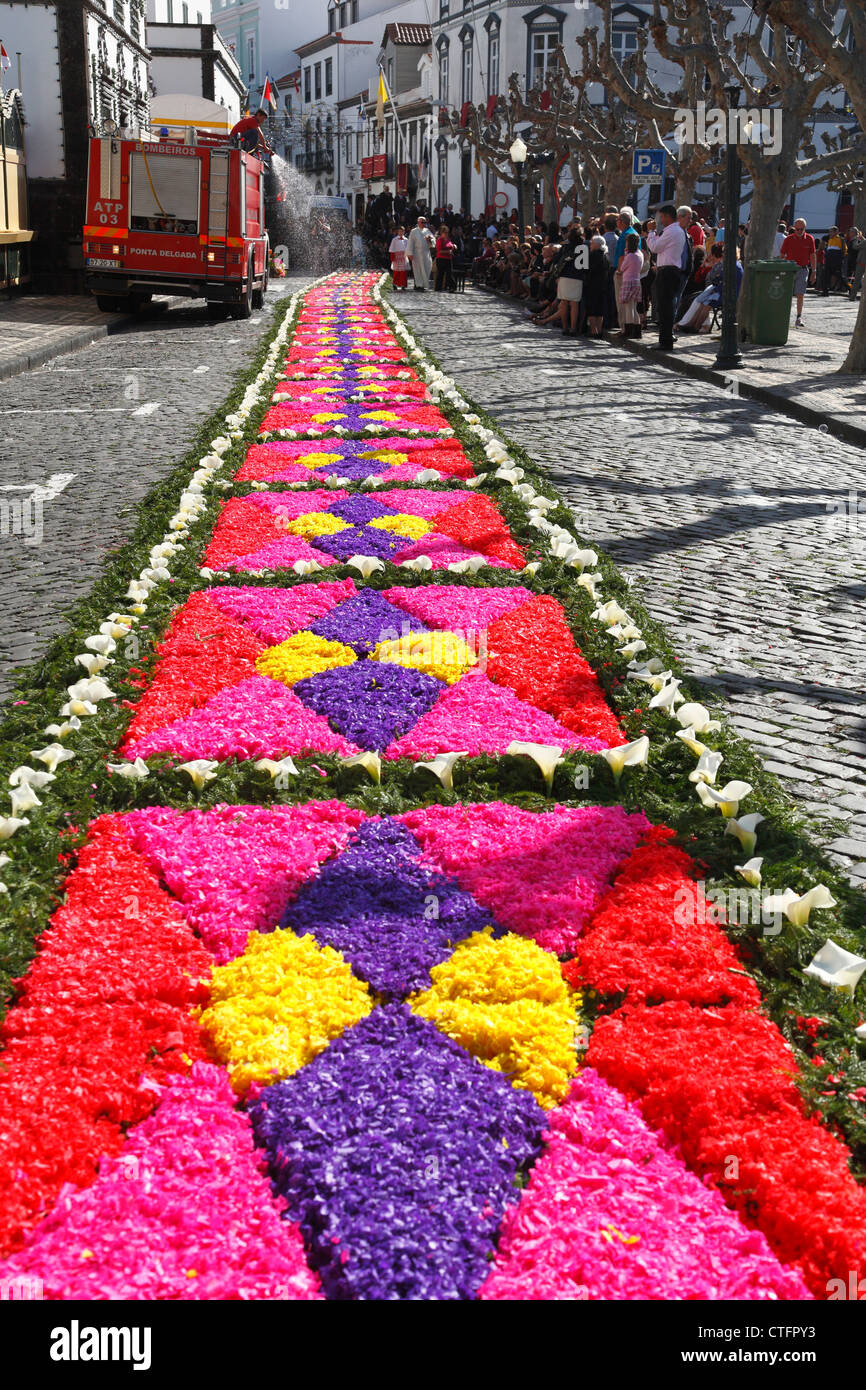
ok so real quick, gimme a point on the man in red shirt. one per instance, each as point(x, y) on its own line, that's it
point(248, 134)
point(799, 247)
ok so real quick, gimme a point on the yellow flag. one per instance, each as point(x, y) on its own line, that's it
point(477, 163)
point(380, 104)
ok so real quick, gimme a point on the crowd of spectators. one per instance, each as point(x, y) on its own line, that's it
point(608, 273)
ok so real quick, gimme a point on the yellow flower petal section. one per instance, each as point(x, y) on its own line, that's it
point(380, 415)
point(444, 655)
point(361, 352)
point(312, 524)
point(506, 1002)
point(324, 417)
point(332, 389)
point(388, 456)
point(303, 655)
point(314, 460)
point(278, 1006)
point(402, 524)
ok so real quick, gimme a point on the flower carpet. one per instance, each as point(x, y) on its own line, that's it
point(477, 1033)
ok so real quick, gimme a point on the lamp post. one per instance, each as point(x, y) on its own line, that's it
point(729, 355)
point(518, 153)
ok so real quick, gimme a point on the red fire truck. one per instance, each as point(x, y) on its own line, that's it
point(164, 217)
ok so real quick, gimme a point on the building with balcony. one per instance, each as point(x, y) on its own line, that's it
point(337, 69)
point(400, 160)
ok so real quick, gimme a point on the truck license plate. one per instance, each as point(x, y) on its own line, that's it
point(103, 265)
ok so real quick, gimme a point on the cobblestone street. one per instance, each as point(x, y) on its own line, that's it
point(96, 429)
point(739, 527)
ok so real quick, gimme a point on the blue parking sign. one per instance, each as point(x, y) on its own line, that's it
point(649, 167)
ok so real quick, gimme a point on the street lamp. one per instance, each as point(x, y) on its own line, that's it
point(518, 153)
point(729, 355)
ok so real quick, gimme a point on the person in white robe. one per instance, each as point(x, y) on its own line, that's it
point(420, 253)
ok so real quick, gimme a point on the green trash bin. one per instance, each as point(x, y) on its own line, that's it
point(771, 289)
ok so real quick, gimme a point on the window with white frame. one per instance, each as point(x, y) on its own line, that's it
point(623, 41)
point(443, 178)
point(329, 76)
point(542, 49)
point(493, 61)
point(308, 84)
point(466, 85)
point(317, 83)
point(443, 72)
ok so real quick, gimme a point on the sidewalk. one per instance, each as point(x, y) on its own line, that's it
point(36, 328)
point(801, 378)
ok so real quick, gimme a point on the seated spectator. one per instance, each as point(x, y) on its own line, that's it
point(696, 281)
point(482, 263)
point(703, 304)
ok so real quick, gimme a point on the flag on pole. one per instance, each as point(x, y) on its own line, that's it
point(362, 115)
point(5, 60)
point(424, 166)
point(381, 98)
point(269, 93)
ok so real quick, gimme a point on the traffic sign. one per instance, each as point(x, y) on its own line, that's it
point(649, 167)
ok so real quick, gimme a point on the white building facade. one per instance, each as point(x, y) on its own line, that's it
point(82, 67)
point(191, 59)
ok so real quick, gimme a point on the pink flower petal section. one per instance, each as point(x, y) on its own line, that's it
point(419, 501)
point(612, 1212)
point(442, 550)
point(291, 505)
point(258, 718)
point(277, 555)
point(275, 614)
point(482, 717)
point(541, 875)
point(184, 1212)
point(447, 607)
point(235, 869)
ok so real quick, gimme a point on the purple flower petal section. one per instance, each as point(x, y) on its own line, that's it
point(397, 1154)
point(363, 621)
point(355, 469)
point(359, 510)
point(362, 540)
point(390, 918)
point(376, 699)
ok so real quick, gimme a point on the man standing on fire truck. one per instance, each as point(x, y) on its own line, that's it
point(248, 134)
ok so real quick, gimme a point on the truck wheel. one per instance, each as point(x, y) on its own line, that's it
point(216, 310)
point(245, 308)
point(115, 303)
point(259, 297)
